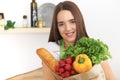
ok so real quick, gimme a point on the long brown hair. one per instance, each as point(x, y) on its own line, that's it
point(80, 26)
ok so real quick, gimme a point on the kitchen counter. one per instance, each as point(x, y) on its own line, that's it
point(32, 75)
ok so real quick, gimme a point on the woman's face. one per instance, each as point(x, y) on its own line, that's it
point(67, 26)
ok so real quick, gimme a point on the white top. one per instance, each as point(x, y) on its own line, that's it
point(54, 49)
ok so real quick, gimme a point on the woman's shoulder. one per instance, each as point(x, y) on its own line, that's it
point(54, 44)
point(53, 48)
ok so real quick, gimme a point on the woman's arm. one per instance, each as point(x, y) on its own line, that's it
point(47, 74)
point(108, 71)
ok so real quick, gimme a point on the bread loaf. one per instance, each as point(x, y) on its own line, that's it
point(47, 58)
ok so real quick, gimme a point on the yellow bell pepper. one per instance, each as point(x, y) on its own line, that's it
point(82, 63)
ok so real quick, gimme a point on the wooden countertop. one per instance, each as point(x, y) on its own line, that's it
point(33, 75)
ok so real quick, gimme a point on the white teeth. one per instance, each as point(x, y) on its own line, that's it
point(69, 34)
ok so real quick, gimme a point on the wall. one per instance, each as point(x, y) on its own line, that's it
point(18, 53)
point(102, 21)
point(15, 9)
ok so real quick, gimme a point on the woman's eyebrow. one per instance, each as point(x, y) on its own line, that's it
point(68, 20)
point(60, 22)
point(72, 19)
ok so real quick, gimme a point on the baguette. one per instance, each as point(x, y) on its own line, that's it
point(47, 58)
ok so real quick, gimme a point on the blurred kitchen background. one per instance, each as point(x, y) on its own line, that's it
point(18, 50)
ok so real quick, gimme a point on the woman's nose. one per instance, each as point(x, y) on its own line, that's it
point(67, 27)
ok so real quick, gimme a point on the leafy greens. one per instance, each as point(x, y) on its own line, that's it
point(96, 50)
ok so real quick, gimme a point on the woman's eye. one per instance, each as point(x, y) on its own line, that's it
point(60, 24)
point(73, 21)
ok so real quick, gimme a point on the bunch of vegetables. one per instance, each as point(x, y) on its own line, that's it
point(95, 49)
point(86, 53)
point(9, 24)
point(70, 66)
point(65, 67)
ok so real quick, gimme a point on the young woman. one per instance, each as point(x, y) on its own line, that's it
point(67, 27)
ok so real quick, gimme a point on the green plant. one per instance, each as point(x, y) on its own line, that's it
point(96, 49)
point(9, 24)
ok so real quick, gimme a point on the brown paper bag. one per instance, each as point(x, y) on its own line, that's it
point(96, 73)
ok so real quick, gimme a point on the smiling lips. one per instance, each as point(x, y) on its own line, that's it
point(70, 34)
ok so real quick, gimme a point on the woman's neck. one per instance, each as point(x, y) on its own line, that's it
point(66, 44)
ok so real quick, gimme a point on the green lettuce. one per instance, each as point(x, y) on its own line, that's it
point(96, 50)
